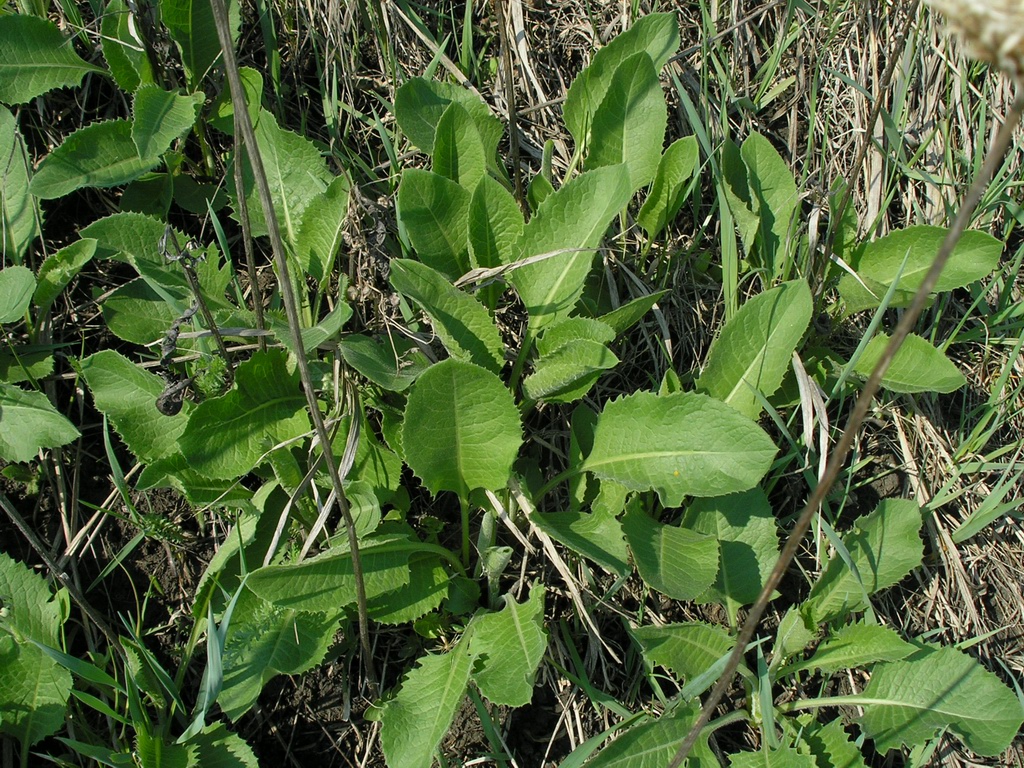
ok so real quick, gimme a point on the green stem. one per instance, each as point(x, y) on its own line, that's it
point(517, 368)
point(559, 478)
point(464, 509)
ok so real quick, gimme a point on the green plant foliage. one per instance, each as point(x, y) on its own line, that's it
point(17, 284)
point(596, 535)
point(748, 540)
point(434, 213)
point(30, 423)
point(675, 168)
point(191, 26)
point(629, 314)
point(160, 117)
point(228, 435)
point(679, 445)
point(320, 234)
point(461, 429)
point(217, 747)
point(566, 229)
point(857, 645)
point(883, 546)
point(755, 348)
point(917, 366)
point(495, 224)
point(629, 125)
point(123, 49)
point(675, 561)
point(222, 111)
point(138, 314)
point(59, 269)
point(458, 148)
point(829, 743)
point(772, 186)
point(655, 34)
point(781, 757)
point(508, 646)
point(35, 58)
point(878, 264)
point(392, 364)
point(655, 743)
point(34, 689)
point(19, 211)
point(264, 640)
point(687, 650)
point(907, 702)
point(567, 373)
point(427, 588)
point(461, 322)
point(417, 718)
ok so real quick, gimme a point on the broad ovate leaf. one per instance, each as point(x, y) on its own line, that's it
point(461, 430)
point(509, 646)
point(434, 213)
point(28, 422)
point(391, 363)
point(677, 562)
point(19, 211)
point(458, 148)
point(35, 58)
point(160, 117)
point(682, 444)
point(917, 366)
point(675, 168)
point(596, 535)
point(568, 372)
point(908, 702)
point(688, 650)
point(123, 48)
point(772, 186)
point(857, 645)
point(975, 255)
point(320, 233)
point(191, 25)
point(427, 587)
point(59, 269)
point(755, 348)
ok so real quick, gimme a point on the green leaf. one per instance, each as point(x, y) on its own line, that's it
point(655, 743)
point(160, 117)
point(427, 588)
point(630, 313)
point(884, 546)
point(296, 173)
point(687, 650)
point(217, 747)
point(59, 269)
point(414, 722)
point(748, 540)
point(222, 111)
point(138, 314)
point(782, 757)
point(629, 125)
point(28, 422)
point(434, 213)
point(99, 155)
point(573, 329)
point(26, 362)
point(328, 328)
point(829, 743)
point(35, 58)
point(153, 752)
point(17, 284)
point(567, 373)
point(461, 322)
point(131, 237)
point(675, 168)
point(908, 702)
point(151, 194)
point(917, 366)
point(175, 471)
point(320, 235)
point(675, 561)
point(755, 348)
point(458, 149)
point(682, 444)
point(508, 646)
point(32, 611)
point(566, 229)
point(391, 364)
point(127, 395)
point(461, 429)
point(228, 436)
point(122, 47)
point(772, 186)
point(596, 535)
point(19, 212)
point(742, 204)
point(656, 34)
point(857, 645)
point(264, 640)
point(191, 26)
point(495, 224)
point(975, 255)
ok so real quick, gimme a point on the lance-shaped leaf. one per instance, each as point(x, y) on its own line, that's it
point(35, 58)
point(229, 435)
point(655, 742)
point(857, 645)
point(675, 561)
point(434, 213)
point(19, 211)
point(666, 198)
point(192, 28)
point(321, 230)
point(461, 429)
point(755, 348)
point(99, 155)
point(566, 230)
point(629, 125)
point(683, 444)
point(772, 186)
point(508, 646)
point(568, 373)
point(29, 422)
point(160, 117)
point(458, 148)
point(908, 702)
point(495, 224)
point(461, 322)
point(627, 315)
point(417, 718)
point(122, 47)
point(59, 269)
point(688, 650)
point(917, 366)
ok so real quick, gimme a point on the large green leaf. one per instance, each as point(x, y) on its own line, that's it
point(217, 747)
point(508, 646)
point(596, 535)
point(34, 58)
point(908, 702)
point(138, 314)
point(682, 444)
point(568, 372)
point(160, 117)
point(772, 186)
point(461, 322)
point(629, 125)
point(675, 561)
point(654, 743)
point(917, 366)
point(264, 640)
point(755, 348)
point(884, 546)
point(748, 539)
point(122, 47)
point(566, 230)
point(735, 185)
point(461, 429)
point(857, 645)
point(59, 269)
point(127, 395)
point(779, 757)
point(434, 213)
point(321, 232)
point(17, 284)
point(458, 148)
point(495, 224)
point(656, 34)
point(29, 422)
point(666, 198)
point(393, 364)
point(19, 211)
point(228, 435)
point(427, 588)
point(191, 25)
point(976, 255)
point(687, 650)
